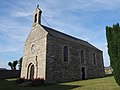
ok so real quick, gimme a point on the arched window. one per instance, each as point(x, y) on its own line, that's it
point(35, 20)
point(82, 56)
point(65, 53)
point(33, 48)
point(94, 59)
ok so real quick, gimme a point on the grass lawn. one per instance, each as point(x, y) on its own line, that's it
point(107, 83)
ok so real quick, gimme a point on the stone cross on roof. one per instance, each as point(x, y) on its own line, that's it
point(38, 6)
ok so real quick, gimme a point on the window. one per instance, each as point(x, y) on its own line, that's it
point(35, 18)
point(65, 53)
point(82, 56)
point(94, 59)
point(33, 48)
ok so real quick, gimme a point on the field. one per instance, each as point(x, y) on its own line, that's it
point(107, 83)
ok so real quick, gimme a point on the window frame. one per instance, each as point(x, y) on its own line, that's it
point(82, 56)
point(35, 18)
point(94, 58)
point(63, 53)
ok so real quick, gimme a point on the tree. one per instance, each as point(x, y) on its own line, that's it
point(113, 39)
point(15, 64)
point(20, 63)
point(10, 64)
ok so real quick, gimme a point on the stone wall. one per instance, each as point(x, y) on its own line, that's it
point(37, 37)
point(59, 71)
point(9, 74)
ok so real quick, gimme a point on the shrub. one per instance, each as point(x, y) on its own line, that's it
point(37, 81)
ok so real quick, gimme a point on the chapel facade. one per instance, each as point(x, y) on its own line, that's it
point(58, 57)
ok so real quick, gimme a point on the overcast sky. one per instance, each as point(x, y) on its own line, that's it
point(84, 19)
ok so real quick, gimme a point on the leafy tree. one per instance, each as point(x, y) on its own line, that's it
point(113, 39)
point(10, 64)
point(15, 64)
point(20, 63)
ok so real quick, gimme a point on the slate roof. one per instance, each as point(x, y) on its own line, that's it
point(58, 34)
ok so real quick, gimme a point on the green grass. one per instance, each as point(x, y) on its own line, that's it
point(107, 83)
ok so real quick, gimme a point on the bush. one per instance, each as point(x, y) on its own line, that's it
point(34, 82)
point(37, 81)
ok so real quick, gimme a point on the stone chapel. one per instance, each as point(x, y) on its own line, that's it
point(58, 57)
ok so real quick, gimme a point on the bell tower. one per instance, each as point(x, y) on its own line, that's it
point(37, 16)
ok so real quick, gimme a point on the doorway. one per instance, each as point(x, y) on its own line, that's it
point(83, 73)
point(30, 72)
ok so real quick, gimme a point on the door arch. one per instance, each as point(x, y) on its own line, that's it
point(83, 73)
point(30, 71)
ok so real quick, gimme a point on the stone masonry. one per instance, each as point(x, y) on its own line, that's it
point(44, 55)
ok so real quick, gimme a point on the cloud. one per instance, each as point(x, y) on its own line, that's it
point(74, 17)
point(95, 5)
point(12, 36)
point(65, 6)
point(8, 49)
point(21, 14)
